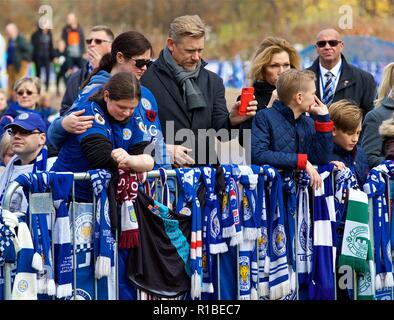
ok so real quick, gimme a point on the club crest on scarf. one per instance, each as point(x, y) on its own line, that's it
point(279, 240)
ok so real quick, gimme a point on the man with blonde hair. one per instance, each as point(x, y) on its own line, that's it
point(188, 95)
point(284, 136)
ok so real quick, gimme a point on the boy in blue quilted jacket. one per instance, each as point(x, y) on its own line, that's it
point(284, 136)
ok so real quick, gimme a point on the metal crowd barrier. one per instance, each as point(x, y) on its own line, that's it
point(156, 175)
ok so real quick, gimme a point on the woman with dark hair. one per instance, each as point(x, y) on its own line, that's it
point(100, 146)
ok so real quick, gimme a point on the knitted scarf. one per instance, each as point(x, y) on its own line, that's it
point(344, 180)
point(262, 242)
point(279, 282)
point(304, 229)
point(230, 206)
point(188, 181)
point(192, 95)
point(25, 282)
point(103, 240)
point(290, 202)
point(322, 285)
point(375, 187)
point(61, 188)
point(248, 270)
point(213, 242)
point(248, 213)
point(37, 184)
point(7, 247)
point(356, 246)
point(126, 193)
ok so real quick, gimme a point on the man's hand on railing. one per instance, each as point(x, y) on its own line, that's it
point(179, 155)
point(316, 180)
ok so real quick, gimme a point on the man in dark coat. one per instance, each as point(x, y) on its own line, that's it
point(190, 97)
point(98, 43)
point(335, 78)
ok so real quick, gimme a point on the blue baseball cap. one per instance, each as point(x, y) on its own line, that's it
point(28, 121)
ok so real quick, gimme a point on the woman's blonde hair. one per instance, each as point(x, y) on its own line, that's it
point(5, 144)
point(34, 80)
point(264, 53)
point(386, 84)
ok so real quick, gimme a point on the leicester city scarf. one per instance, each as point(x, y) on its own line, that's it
point(7, 247)
point(103, 240)
point(250, 221)
point(290, 204)
point(25, 282)
point(375, 187)
point(279, 282)
point(126, 192)
point(322, 285)
point(262, 242)
point(42, 259)
point(188, 181)
point(304, 229)
point(61, 187)
point(213, 242)
point(248, 270)
point(232, 227)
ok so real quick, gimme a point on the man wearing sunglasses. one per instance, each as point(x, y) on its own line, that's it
point(336, 79)
point(98, 44)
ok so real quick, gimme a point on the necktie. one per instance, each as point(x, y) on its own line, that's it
point(328, 88)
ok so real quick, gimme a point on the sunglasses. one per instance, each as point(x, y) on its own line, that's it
point(332, 43)
point(22, 92)
point(13, 131)
point(96, 41)
point(140, 63)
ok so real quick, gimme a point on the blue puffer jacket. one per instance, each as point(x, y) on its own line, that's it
point(356, 160)
point(287, 143)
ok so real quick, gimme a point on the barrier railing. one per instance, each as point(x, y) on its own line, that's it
point(155, 174)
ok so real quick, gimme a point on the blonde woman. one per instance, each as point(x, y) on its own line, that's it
point(372, 142)
point(28, 94)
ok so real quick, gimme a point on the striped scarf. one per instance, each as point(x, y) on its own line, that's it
point(103, 240)
point(279, 282)
point(322, 285)
point(304, 229)
point(188, 181)
point(375, 187)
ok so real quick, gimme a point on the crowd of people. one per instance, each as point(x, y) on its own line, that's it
point(122, 110)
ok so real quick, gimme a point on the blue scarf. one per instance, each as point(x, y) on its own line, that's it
point(7, 248)
point(248, 270)
point(279, 282)
point(232, 227)
point(262, 242)
point(188, 181)
point(42, 260)
point(213, 242)
point(322, 285)
point(103, 240)
point(375, 187)
point(249, 215)
point(290, 201)
point(304, 229)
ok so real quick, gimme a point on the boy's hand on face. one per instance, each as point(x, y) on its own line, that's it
point(318, 108)
point(316, 181)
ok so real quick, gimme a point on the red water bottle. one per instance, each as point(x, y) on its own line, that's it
point(246, 97)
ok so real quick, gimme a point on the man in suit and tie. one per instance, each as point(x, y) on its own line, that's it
point(189, 96)
point(335, 78)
